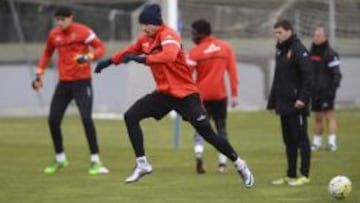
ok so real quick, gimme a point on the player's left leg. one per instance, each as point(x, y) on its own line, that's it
point(291, 151)
point(318, 130)
point(219, 114)
point(221, 129)
point(151, 105)
point(59, 103)
point(332, 127)
point(83, 95)
point(199, 150)
point(191, 109)
point(299, 131)
point(199, 143)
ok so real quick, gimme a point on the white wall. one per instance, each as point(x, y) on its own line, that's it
point(116, 88)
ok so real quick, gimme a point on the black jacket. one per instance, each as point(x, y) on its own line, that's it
point(326, 66)
point(293, 78)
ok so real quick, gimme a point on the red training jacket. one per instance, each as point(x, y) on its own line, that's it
point(71, 42)
point(210, 59)
point(166, 58)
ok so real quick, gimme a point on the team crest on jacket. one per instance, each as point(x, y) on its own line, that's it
point(58, 39)
point(145, 45)
point(73, 35)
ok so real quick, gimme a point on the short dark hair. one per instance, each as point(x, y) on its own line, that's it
point(63, 12)
point(201, 26)
point(323, 27)
point(284, 24)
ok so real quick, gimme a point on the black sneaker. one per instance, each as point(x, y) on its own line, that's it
point(200, 166)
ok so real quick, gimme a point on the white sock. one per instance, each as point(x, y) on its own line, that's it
point(317, 140)
point(332, 139)
point(60, 157)
point(222, 159)
point(95, 158)
point(141, 161)
point(239, 164)
point(198, 149)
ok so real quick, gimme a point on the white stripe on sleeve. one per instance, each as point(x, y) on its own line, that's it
point(170, 41)
point(90, 38)
point(334, 63)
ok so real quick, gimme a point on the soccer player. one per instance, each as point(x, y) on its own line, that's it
point(160, 48)
point(72, 41)
point(211, 58)
point(290, 94)
point(326, 65)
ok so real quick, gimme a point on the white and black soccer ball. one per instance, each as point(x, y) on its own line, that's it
point(339, 187)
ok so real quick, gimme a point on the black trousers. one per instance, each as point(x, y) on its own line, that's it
point(157, 105)
point(295, 136)
point(217, 111)
point(81, 92)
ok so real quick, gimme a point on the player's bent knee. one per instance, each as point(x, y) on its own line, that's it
point(53, 121)
point(131, 117)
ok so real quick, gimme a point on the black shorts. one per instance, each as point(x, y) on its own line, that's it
point(322, 105)
point(157, 105)
point(217, 109)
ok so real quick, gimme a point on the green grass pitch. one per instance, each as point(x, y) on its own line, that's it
point(26, 148)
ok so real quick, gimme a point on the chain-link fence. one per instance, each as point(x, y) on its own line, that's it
point(246, 25)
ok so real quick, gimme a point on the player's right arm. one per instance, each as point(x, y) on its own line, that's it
point(42, 64)
point(117, 58)
point(135, 48)
point(233, 76)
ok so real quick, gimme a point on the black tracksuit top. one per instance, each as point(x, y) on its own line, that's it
point(293, 78)
point(327, 75)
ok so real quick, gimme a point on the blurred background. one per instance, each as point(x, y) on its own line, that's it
point(247, 25)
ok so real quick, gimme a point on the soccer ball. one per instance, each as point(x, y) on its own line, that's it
point(340, 187)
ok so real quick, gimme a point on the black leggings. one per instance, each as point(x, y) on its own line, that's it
point(190, 108)
point(81, 92)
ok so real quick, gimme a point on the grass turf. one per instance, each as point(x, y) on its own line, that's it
point(26, 148)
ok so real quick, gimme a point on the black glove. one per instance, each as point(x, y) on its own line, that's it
point(37, 83)
point(132, 57)
point(82, 59)
point(102, 65)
